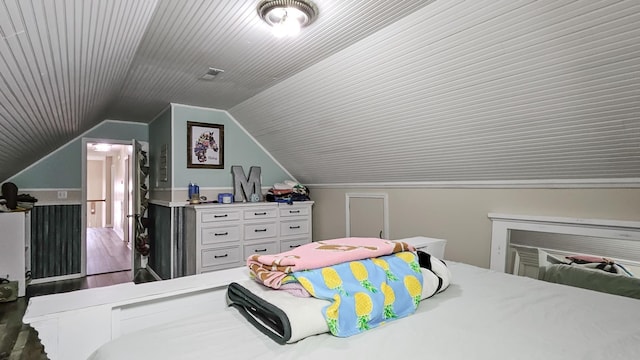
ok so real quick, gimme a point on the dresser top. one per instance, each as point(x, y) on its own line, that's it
point(246, 204)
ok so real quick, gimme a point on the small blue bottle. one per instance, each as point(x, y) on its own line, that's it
point(192, 189)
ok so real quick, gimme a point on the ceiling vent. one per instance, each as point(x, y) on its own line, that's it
point(211, 74)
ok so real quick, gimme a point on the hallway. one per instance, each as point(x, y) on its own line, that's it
point(106, 252)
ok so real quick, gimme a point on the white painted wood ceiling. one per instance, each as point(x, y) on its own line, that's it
point(466, 91)
point(374, 91)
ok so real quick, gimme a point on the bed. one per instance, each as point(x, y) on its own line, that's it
point(483, 314)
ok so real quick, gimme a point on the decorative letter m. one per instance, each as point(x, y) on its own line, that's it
point(243, 188)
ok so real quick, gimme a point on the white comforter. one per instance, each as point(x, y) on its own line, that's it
point(482, 315)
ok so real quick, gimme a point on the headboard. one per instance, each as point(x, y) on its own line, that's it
point(503, 224)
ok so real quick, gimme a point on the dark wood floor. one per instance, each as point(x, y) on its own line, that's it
point(19, 341)
point(106, 252)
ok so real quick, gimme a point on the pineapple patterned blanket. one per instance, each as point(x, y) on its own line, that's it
point(287, 319)
point(365, 293)
point(274, 270)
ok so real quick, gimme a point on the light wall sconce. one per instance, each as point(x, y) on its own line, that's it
point(287, 17)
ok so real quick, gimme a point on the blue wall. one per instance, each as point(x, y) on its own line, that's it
point(239, 149)
point(160, 134)
point(62, 169)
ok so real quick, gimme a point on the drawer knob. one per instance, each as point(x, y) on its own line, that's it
point(294, 211)
point(222, 234)
point(294, 227)
point(220, 256)
point(220, 216)
point(260, 213)
point(260, 250)
point(260, 230)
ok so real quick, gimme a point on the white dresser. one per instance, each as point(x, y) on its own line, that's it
point(221, 236)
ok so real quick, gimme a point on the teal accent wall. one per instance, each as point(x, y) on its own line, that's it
point(239, 149)
point(160, 134)
point(62, 169)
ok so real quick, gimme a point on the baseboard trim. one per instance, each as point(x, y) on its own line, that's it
point(54, 278)
point(153, 273)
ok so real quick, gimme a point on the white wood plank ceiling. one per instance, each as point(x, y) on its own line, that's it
point(466, 91)
point(62, 63)
point(374, 91)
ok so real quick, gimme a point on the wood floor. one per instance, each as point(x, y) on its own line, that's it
point(19, 341)
point(106, 252)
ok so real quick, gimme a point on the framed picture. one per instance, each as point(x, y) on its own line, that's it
point(205, 145)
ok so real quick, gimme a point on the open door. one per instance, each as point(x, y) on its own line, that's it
point(137, 216)
point(105, 246)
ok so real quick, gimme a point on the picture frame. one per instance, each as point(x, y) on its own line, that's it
point(205, 145)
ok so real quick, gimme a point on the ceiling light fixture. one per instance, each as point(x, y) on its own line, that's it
point(287, 17)
point(102, 147)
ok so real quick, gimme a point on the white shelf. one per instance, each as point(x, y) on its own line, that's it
point(13, 245)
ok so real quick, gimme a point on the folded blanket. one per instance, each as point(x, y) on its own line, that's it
point(271, 270)
point(278, 314)
point(365, 293)
point(287, 319)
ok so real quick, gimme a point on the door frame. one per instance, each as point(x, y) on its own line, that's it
point(83, 204)
point(385, 210)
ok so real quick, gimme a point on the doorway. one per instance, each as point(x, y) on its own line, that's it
point(108, 249)
point(367, 215)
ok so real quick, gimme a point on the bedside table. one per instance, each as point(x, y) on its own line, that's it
point(433, 246)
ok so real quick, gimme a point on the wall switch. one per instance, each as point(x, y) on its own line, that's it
point(62, 194)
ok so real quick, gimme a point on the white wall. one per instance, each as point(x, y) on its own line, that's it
point(119, 178)
point(460, 215)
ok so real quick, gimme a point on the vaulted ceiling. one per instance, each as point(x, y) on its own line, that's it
point(373, 91)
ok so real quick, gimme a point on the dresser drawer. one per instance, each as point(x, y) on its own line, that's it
point(220, 234)
point(266, 213)
point(213, 257)
point(294, 227)
point(270, 247)
point(259, 231)
point(219, 215)
point(292, 244)
point(292, 210)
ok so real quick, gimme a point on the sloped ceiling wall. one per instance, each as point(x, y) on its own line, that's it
point(466, 91)
point(374, 91)
point(61, 64)
point(67, 64)
point(184, 38)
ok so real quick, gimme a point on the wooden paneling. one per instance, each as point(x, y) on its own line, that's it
point(161, 240)
point(55, 241)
